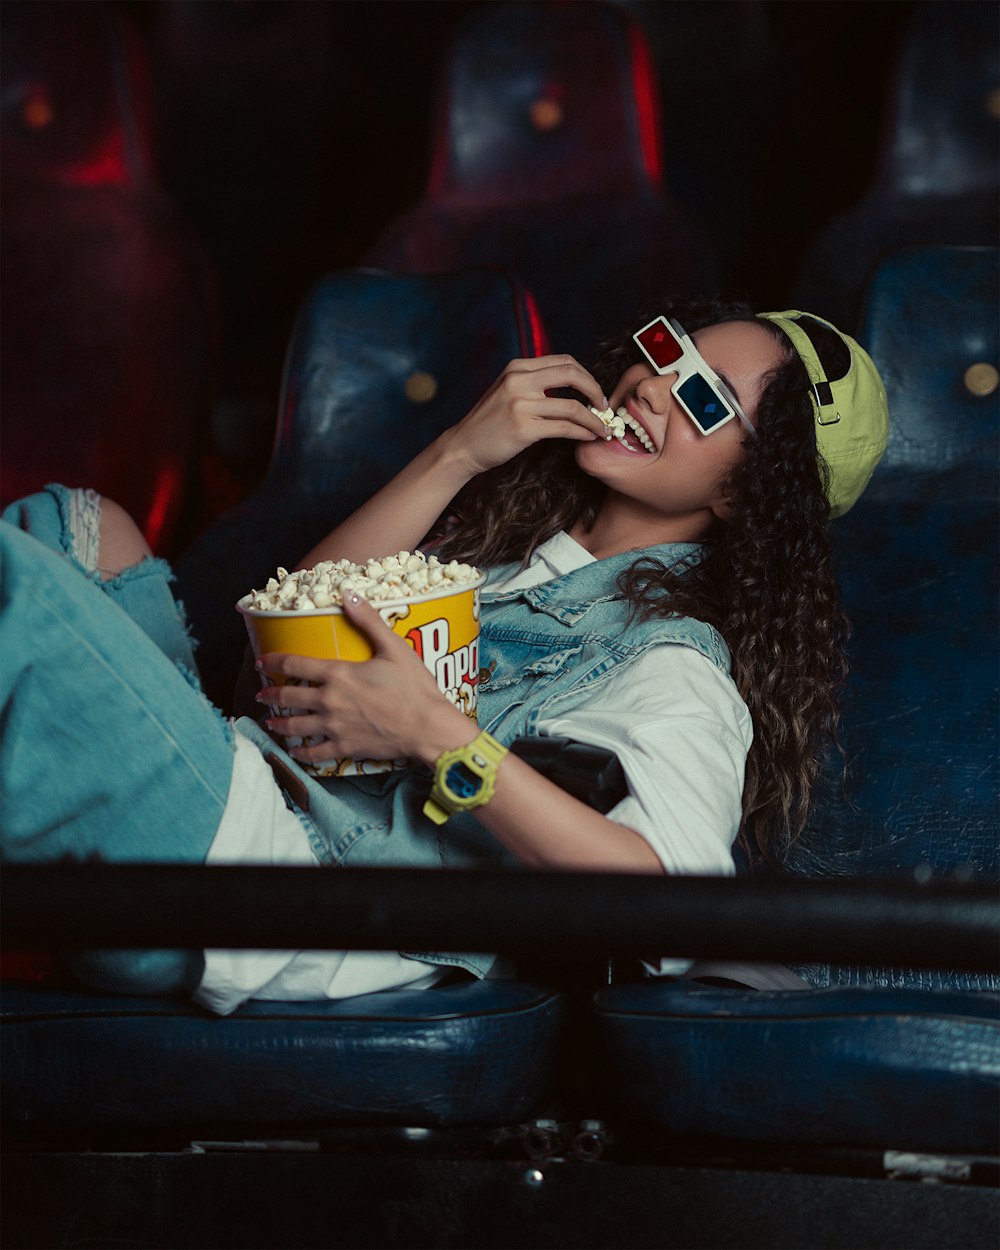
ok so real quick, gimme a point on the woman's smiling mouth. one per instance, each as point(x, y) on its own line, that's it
point(635, 432)
point(627, 429)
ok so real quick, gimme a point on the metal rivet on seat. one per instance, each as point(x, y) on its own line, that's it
point(981, 378)
point(546, 113)
point(420, 387)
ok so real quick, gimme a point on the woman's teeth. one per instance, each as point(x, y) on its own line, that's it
point(614, 424)
point(646, 442)
point(618, 422)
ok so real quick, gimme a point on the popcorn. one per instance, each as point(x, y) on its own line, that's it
point(401, 576)
point(616, 423)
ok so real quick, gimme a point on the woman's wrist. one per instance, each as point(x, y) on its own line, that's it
point(456, 461)
point(445, 729)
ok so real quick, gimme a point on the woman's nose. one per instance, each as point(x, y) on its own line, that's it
point(655, 390)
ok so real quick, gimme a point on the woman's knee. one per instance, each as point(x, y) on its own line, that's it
point(121, 542)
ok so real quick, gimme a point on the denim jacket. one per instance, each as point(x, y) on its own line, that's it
point(542, 650)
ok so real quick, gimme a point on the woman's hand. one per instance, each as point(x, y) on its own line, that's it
point(381, 708)
point(515, 412)
point(518, 411)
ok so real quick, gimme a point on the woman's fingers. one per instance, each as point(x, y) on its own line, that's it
point(524, 406)
point(570, 414)
point(297, 726)
point(551, 373)
point(384, 641)
point(300, 667)
point(318, 753)
point(567, 365)
point(300, 698)
point(527, 413)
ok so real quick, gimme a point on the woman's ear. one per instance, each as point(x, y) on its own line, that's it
point(721, 503)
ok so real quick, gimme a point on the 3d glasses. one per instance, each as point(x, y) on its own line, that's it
point(700, 391)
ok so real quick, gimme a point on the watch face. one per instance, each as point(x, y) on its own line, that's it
point(462, 781)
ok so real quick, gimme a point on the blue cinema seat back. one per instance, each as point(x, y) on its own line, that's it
point(876, 1057)
point(377, 366)
point(917, 560)
point(938, 174)
point(107, 295)
point(547, 161)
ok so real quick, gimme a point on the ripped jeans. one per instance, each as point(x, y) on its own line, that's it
point(109, 748)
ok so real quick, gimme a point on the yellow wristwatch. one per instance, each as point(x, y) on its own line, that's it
point(464, 778)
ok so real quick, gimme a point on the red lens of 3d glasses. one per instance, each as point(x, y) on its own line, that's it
point(660, 344)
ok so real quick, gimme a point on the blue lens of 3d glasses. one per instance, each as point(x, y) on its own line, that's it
point(703, 402)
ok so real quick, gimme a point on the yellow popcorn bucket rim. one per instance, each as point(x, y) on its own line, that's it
point(243, 607)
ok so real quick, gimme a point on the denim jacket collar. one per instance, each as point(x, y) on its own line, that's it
point(570, 597)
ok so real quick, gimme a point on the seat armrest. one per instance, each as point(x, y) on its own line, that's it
point(591, 774)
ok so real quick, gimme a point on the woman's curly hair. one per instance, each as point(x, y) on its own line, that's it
point(765, 580)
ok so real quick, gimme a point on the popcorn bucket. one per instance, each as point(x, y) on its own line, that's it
point(442, 626)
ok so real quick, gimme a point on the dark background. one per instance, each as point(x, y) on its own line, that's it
point(291, 133)
point(288, 134)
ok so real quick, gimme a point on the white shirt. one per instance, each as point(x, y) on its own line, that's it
point(676, 723)
point(678, 726)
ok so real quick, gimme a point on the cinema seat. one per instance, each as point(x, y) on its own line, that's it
point(876, 1056)
point(107, 315)
point(938, 175)
point(89, 1066)
point(879, 1069)
point(547, 162)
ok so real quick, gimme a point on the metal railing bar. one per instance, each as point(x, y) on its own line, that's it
point(560, 914)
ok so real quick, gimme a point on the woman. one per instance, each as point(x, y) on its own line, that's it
point(627, 577)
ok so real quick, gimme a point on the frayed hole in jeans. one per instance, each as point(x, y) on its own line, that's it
point(84, 521)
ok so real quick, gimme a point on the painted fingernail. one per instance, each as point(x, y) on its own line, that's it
point(258, 665)
point(355, 598)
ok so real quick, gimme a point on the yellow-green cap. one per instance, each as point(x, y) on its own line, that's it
point(852, 413)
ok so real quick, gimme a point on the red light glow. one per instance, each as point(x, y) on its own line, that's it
point(163, 509)
point(533, 337)
point(106, 167)
point(646, 105)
